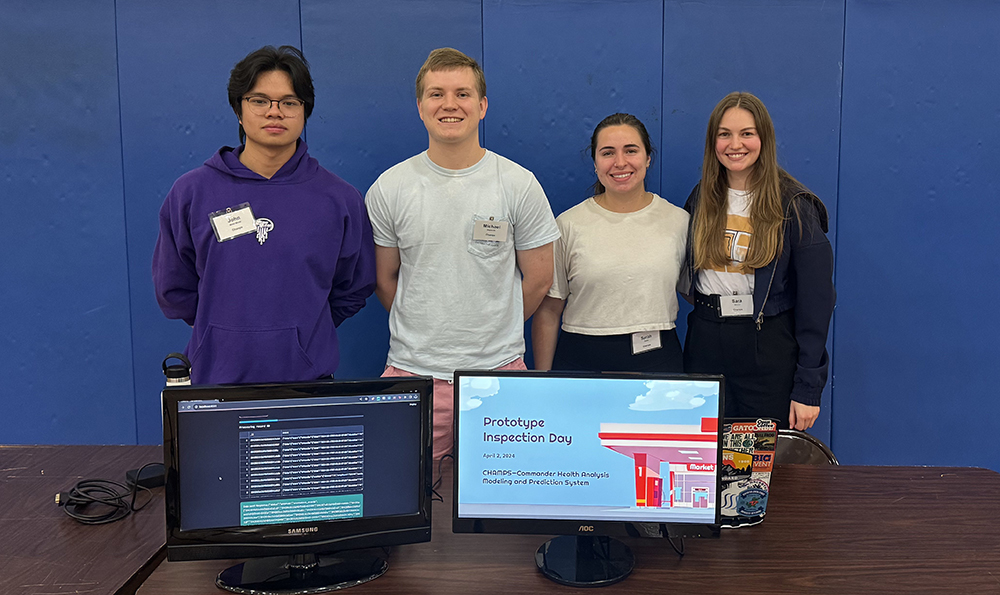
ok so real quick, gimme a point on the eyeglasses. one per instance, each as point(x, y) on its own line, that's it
point(290, 107)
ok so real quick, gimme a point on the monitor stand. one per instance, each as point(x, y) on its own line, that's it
point(301, 573)
point(580, 561)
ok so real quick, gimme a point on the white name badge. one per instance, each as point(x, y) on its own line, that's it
point(491, 231)
point(233, 222)
point(644, 341)
point(736, 305)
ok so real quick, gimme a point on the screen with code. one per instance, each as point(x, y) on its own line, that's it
point(260, 462)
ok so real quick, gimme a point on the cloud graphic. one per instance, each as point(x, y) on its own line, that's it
point(473, 389)
point(663, 396)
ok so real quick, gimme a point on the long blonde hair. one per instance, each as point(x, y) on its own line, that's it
point(764, 183)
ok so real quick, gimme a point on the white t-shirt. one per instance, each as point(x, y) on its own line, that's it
point(734, 279)
point(458, 301)
point(618, 271)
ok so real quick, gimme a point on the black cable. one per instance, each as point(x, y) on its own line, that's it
point(100, 501)
point(680, 552)
point(437, 482)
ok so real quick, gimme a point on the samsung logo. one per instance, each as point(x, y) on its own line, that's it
point(303, 530)
point(586, 528)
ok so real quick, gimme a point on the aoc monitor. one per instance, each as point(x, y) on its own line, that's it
point(298, 477)
point(587, 457)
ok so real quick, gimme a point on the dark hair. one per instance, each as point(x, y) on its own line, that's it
point(286, 58)
point(619, 120)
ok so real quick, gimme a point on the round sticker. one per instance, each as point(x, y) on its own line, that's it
point(752, 500)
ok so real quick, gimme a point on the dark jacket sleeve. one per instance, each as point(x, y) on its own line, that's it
point(685, 281)
point(815, 296)
point(692, 200)
point(354, 279)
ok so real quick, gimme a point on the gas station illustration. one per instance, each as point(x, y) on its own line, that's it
point(687, 452)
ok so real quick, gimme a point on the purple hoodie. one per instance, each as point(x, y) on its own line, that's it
point(264, 306)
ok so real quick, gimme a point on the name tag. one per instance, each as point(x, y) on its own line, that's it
point(491, 231)
point(233, 222)
point(736, 305)
point(644, 341)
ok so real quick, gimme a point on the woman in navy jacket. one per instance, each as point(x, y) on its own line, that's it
point(759, 272)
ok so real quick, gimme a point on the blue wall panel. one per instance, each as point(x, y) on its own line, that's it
point(916, 335)
point(364, 58)
point(65, 349)
point(787, 53)
point(552, 76)
point(175, 60)
point(82, 177)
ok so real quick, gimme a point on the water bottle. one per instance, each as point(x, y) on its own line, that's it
point(177, 374)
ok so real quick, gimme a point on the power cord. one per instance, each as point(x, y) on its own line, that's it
point(100, 501)
point(435, 496)
point(679, 550)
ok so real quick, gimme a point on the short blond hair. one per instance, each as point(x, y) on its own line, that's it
point(450, 59)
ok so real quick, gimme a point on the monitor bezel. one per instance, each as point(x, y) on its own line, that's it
point(585, 527)
point(277, 539)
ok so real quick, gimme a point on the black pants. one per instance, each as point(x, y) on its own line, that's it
point(759, 366)
point(613, 353)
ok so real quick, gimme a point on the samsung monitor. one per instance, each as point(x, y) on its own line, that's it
point(303, 478)
point(587, 457)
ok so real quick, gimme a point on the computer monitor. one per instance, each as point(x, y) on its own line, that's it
point(587, 457)
point(295, 473)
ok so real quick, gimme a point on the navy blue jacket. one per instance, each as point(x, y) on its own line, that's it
point(801, 278)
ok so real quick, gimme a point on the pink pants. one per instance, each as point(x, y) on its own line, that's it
point(444, 407)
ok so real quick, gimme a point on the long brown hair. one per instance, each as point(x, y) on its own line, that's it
point(764, 183)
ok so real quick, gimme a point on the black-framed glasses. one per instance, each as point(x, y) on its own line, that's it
point(290, 107)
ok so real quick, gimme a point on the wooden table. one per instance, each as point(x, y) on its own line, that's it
point(829, 529)
point(43, 551)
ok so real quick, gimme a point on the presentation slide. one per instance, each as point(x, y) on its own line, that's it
point(572, 448)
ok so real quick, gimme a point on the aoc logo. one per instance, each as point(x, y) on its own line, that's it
point(586, 528)
point(303, 530)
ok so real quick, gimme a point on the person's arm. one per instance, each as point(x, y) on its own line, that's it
point(386, 274)
point(685, 281)
point(387, 260)
point(354, 277)
point(536, 270)
point(545, 331)
point(175, 277)
point(802, 417)
point(815, 296)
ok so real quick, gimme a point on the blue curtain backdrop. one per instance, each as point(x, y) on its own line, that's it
point(884, 108)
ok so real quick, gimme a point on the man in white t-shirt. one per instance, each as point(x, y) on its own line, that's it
point(463, 243)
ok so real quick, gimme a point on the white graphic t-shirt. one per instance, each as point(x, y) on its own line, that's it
point(734, 278)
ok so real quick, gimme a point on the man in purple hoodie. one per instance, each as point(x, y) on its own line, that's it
point(262, 251)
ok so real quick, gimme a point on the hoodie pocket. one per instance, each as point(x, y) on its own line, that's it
point(240, 355)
